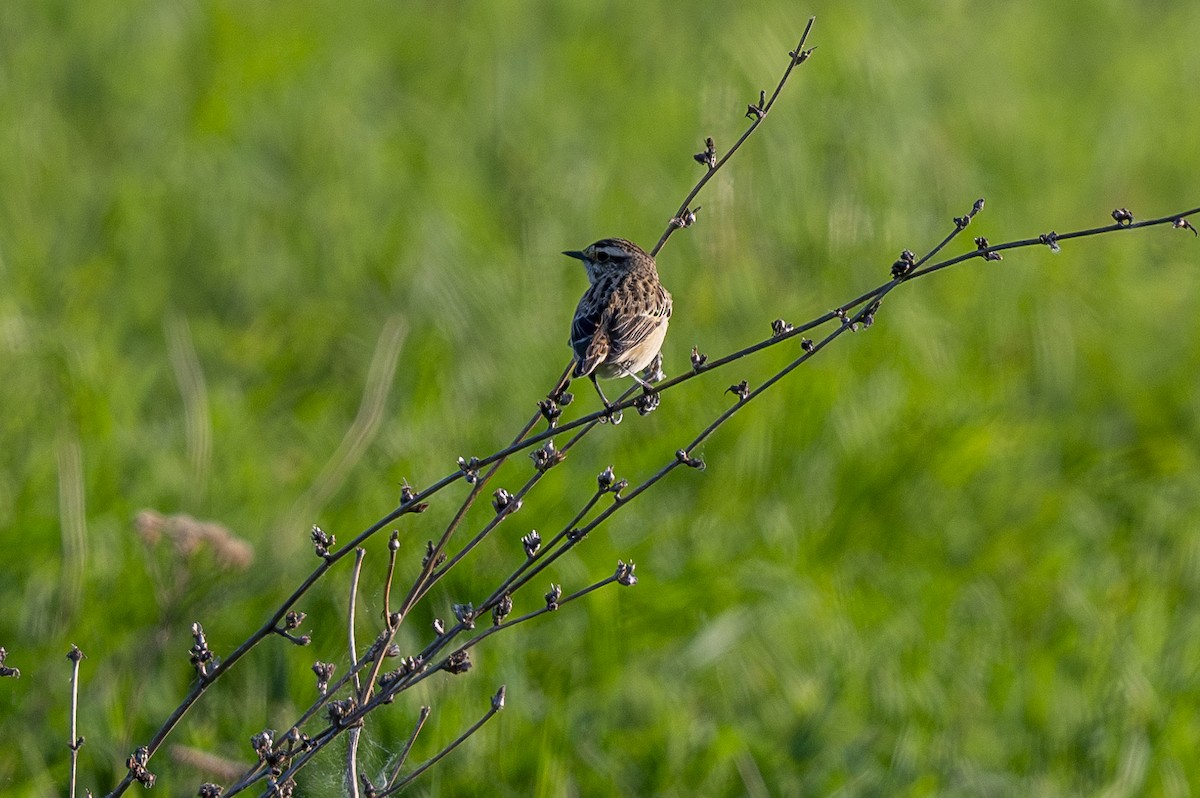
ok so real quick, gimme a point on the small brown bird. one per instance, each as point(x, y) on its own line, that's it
point(621, 320)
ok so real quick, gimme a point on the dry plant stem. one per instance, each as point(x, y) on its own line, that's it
point(1030, 242)
point(387, 582)
point(402, 783)
point(518, 497)
point(76, 742)
point(420, 589)
point(364, 689)
point(326, 735)
point(334, 689)
point(442, 641)
point(774, 340)
point(268, 628)
point(529, 616)
point(507, 585)
point(798, 57)
point(848, 323)
point(412, 738)
point(545, 549)
point(363, 692)
point(427, 578)
point(393, 623)
point(354, 577)
point(356, 732)
point(419, 585)
point(922, 271)
point(589, 421)
point(438, 644)
point(422, 583)
point(548, 554)
point(445, 639)
point(870, 304)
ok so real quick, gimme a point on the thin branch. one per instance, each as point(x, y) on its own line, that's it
point(412, 738)
point(414, 503)
point(866, 310)
point(393, 549)
point(352, 646)
point(432, 560)
point(868, 305)
point(496, 705)
point(685, 216)
point(392, 621)
point(75, 742)
point(356, 732)
point(415, 500)
point(849, 317)
point(529, 616)
point(506, 587)
point(318, 741)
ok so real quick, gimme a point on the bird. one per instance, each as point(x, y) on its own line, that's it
point(621, 320)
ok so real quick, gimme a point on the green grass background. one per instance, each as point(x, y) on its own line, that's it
point(958, 554)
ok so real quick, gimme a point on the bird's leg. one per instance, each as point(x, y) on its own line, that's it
point(614, 415)
point(649, 400)
point(603, 398)
point(649, 388)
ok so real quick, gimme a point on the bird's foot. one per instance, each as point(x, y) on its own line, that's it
point(647, 402)
point(612, 415)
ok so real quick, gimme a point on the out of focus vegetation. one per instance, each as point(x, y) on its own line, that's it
point(958, 554)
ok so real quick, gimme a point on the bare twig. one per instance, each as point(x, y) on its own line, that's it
point(408, 744)
point(852, 316)
point(453, 663)
point(75, 656)
point(685, 216)
point(393, 548)
point(469, 472)
point(356, 732)
point(415, 502)
point(375, 690)
point(496, 705)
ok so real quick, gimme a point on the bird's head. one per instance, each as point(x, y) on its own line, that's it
point(610, 255)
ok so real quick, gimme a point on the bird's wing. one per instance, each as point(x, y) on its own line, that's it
point(631, 329)
point(583, 336)
point(597, 352)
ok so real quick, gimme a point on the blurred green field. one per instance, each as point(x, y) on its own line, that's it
point(957, 554)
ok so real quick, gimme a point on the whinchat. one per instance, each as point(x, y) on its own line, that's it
point(621, 320)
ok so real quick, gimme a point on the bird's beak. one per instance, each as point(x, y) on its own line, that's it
point(574, 253)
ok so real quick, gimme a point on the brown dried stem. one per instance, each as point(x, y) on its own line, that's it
point(75, 656)
point(685, 216)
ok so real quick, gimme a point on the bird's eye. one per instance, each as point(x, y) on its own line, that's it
point(602, 256)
